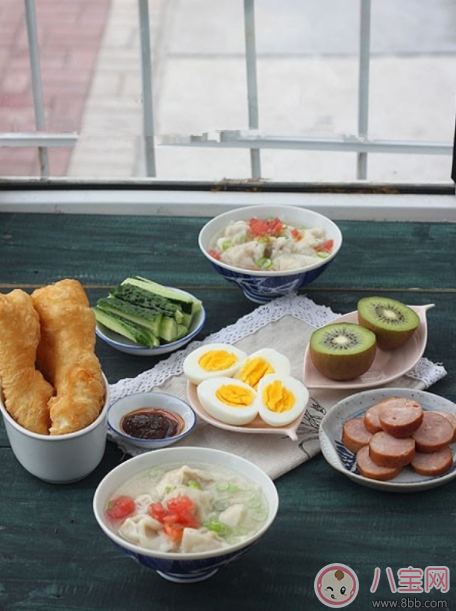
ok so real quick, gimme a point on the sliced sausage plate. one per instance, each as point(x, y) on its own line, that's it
point(343, 460)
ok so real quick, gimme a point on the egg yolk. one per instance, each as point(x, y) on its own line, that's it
point(277, 398)
point(254, 370)
point(234, 396)
point(217, 360)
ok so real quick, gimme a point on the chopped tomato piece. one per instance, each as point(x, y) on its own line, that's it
point(173, 532)
point(214, 254)
point(271, 227)
point(176, 516)
point(325, 247)
point(179, 503)
point(120, 508)
point(157, 511)
point(184, 518)
point(296, 234)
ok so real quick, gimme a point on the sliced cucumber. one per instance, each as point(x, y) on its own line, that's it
point(137, 334)
point(145, 299)
point(186, 320)
point(168, 329)
point(189, 304)
point(182, 331)
point(136, 314)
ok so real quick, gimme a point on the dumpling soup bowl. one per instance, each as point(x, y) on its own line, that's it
point(263, 286)
point(177, 566)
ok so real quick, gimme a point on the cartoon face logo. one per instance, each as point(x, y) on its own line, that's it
point(336, 585)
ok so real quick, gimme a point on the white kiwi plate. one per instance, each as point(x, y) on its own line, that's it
point(388, 365)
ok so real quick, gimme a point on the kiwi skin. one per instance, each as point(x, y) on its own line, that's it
point(387, 339)
point(343, 367)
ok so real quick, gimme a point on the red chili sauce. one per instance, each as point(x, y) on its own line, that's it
point(152, 423)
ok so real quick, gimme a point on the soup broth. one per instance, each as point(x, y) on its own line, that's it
point(187, 509)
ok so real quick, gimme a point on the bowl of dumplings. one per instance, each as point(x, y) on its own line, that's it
point(270, 251)
point(186, 512)
point(54, 396)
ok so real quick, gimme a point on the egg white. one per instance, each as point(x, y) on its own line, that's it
point(278, 362)
point(299, 391)
point(221, 411)
point(196, 374)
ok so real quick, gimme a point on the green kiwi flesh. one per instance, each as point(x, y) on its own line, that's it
point(393, 322)
point(342, 351)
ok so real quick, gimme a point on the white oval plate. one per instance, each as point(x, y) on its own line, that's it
point(256, 426)
point(388, 365)
point(353, 407)
point(129, 347)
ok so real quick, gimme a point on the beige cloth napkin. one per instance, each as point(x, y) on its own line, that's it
point(285, 325)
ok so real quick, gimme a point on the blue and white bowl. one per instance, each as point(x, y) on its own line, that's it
point(260, 286)
point(159, 400)
point(183, 568)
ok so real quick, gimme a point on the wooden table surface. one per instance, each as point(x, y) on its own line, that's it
point(53, 554)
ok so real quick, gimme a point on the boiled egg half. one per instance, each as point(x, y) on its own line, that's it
point(260, 363)
point(228, 400)
point(281, 399)
point(212, 360)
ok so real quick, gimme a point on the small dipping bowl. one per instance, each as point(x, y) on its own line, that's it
point(147, 401)
point(59, 459)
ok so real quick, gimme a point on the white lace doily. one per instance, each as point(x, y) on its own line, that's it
point(270, 325)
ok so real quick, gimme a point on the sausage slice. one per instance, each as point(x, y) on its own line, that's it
point(434, 434)
point(369, 469)
point(451, 419)
point(400, 417)
point(388, 451)
point(436, 463)
point(371, 420)
point(355, 435)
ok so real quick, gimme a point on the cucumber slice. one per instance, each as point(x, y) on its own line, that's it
point(189, 304)
point(182, 331)
point(186, 320)
point(145, 299)
point(137, 334)
point(140, 316)
point(168, 329)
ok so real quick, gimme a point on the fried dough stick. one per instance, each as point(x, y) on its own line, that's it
point(25, 391)
point(66, 355)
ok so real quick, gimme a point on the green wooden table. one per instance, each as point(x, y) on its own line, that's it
point(53, 554)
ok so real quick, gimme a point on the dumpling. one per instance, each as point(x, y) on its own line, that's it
point(201, 500)
point(182, 476)
point(233, 515)
point(145, 531)
point(244, 255)
point(287, 262)
point(142, 503)
point(196, 541)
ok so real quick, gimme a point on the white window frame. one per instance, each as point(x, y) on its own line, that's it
point(360, 143)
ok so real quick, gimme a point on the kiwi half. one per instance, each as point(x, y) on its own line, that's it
point(342, 351)
point(392, 321)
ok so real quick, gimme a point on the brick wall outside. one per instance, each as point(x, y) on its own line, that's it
point(70, 33)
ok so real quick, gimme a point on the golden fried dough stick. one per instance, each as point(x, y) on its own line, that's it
point(66, 355)
point(25, 391)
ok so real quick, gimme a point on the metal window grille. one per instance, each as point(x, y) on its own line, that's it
point(358, 143)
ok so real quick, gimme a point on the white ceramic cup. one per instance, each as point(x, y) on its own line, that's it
point(59, 459)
